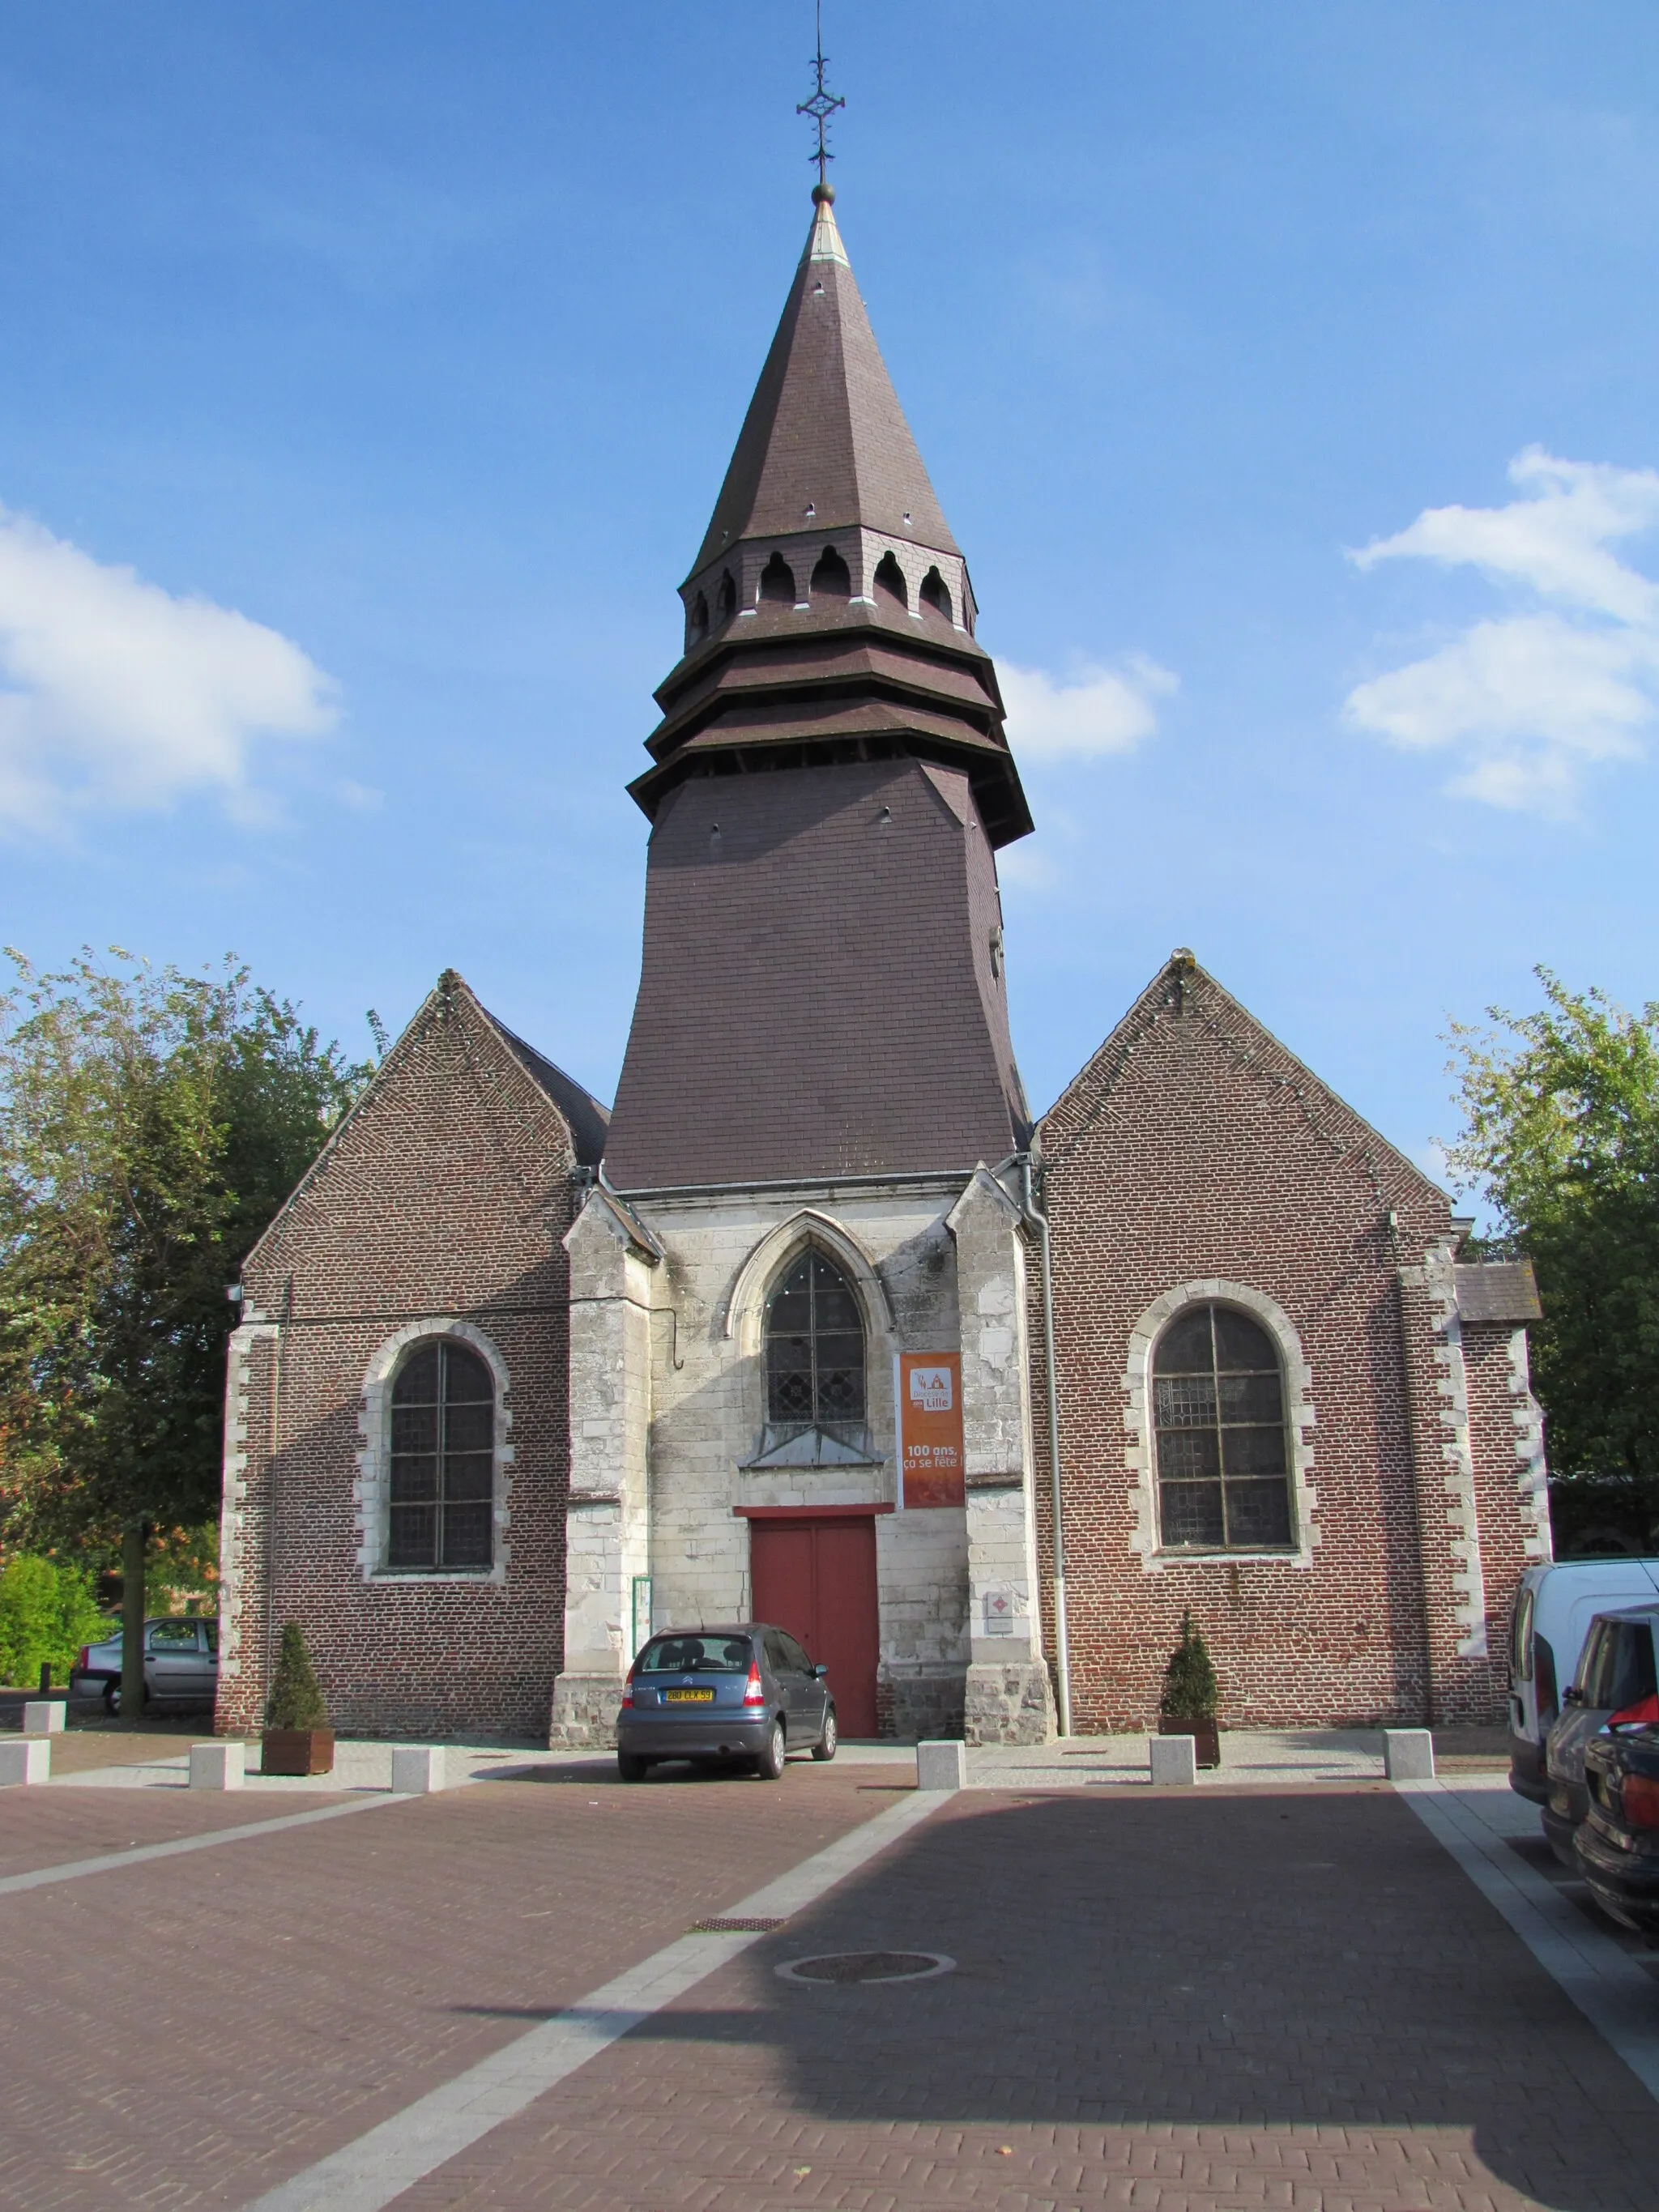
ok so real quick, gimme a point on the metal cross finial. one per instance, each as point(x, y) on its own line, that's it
point(820, 107)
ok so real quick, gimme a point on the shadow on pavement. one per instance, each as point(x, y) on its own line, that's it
point(601, 1773)
point(1250, 1963)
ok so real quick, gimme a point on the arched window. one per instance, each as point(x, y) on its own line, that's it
point(1224, 1478)
point(935, 593)
point(443, 1458)
point(727, 601)
point(831, 579)
point(890, 581)
point(777, 581)
point(815, 1352)
point(697, 627)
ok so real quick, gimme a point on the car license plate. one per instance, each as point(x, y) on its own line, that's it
point(688, 1697)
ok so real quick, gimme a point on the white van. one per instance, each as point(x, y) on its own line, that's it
point(1554, 1611)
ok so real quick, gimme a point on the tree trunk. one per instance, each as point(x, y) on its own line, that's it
point(133, 1626)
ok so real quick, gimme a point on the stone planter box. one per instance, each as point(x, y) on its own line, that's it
point(297, 1750)
point(1205, 1735)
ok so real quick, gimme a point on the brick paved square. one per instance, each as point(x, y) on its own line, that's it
point(1297, 2003)
point(189, 2031)
point(1292, 2003)
point(50, 1827)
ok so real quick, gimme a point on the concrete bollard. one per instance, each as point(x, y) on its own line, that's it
point(217, 1765)
point(1408, 1754)
point(1174, 1760)
point(941, 1766)
point(44, 1716)
point(25, 1758)
point(417, 1769)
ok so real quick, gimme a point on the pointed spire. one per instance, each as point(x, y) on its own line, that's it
point(825, 445)
point(829, 615)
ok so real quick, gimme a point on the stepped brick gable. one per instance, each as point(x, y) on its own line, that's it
point(434, 1215)
point(1196, 1161)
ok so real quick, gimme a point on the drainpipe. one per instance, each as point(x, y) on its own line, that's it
point(273, 1440)
point(1039, 1221)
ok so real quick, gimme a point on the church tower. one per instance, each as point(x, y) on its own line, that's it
point(803, 1256)
point(821, 990)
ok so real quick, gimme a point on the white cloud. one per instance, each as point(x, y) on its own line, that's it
point(114, 694)
point(1096, 712)
point(1530, 701)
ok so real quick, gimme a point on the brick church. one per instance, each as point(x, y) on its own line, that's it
point(818, 1325)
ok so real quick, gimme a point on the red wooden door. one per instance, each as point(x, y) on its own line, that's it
point(818, 1579)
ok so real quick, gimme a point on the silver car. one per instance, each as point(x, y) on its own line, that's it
point(747, 1693)
point(181, 1665)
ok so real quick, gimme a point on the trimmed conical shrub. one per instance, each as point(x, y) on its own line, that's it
point(296, 1700)
point(1189, 1688)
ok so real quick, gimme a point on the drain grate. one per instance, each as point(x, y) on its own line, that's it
point(845, 1967)
point(730, 1925)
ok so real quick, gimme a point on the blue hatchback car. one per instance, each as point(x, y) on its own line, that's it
point(748, 1691)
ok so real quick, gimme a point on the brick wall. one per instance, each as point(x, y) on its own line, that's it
point(441, 1202)
point(1195, 1149)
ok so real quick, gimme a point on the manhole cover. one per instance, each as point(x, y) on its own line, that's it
point(845, 1967)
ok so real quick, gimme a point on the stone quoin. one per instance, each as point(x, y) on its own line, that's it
point(517, 1382)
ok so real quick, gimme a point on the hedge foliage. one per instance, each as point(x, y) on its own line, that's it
point(47, 1613)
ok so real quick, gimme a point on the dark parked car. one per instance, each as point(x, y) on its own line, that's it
point(1554, 1611)
point(181, 1664)
point(744, 1693)
point(1615, 1673)
point(1618, 1846)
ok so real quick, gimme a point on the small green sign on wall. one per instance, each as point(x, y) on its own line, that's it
point(642, 1612)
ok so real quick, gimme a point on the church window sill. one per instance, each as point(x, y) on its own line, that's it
point(790, 1447)
point(1219, 1558)
point(810, 1467)
point(438, 1575)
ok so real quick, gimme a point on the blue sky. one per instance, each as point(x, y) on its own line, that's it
point(367, 376)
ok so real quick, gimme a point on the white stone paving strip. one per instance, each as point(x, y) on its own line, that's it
point(72, 1869)
point(1614, 1994)
point(357, 1766)
point(1264, 1757)
point(392, 2157)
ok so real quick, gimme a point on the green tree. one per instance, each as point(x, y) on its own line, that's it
point(296, 1698)
point(151, 1123)
point(1561, 1133)
point(1189, 1684)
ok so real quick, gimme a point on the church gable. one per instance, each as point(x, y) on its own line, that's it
point(1227, 1239)
point(1191, 1079)
point(449, 1177)
point(417, 1267)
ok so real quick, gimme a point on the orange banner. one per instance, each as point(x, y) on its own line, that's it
point(931, 1457)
